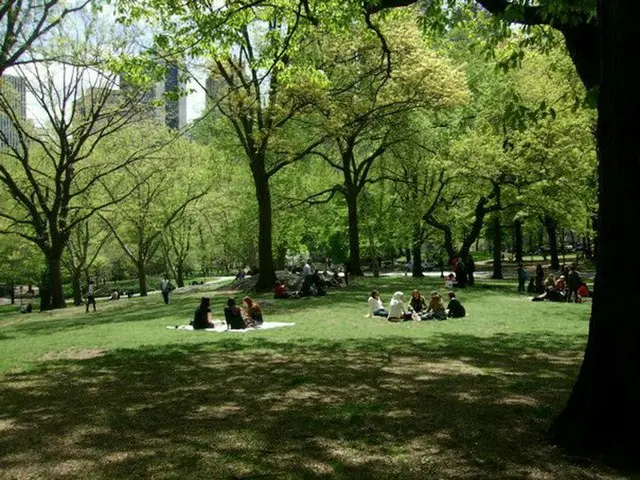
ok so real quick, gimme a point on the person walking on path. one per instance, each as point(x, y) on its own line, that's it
point(91, 299)
point(165, 288)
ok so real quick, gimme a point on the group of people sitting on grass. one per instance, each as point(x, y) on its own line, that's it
point(235, 317)
point(568, 287)
point(418, 308)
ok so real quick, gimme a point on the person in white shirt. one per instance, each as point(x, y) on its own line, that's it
point(376, 308)
point(165, 288)
point(91, 299)
point(306, 269)
point(397, 310)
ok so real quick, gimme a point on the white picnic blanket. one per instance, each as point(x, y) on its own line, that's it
point(220, 328)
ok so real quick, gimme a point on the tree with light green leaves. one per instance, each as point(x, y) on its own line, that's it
point(163, 190)
point(49, 169)
point(364, 108)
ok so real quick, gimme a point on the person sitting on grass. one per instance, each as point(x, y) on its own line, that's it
point(583, 292)
point(418, 304)
point(202, 315)
point(550, 282)
point(450, 282)
point(455, 309)
point(233, 316)
point(436, 307)
point(253, 312)
point(397, 311)
point(376, 308)
point(280, 290)
point(552, 294)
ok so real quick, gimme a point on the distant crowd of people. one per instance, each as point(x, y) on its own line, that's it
point(566, 286)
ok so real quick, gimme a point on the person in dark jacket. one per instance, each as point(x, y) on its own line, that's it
point(202, 315)
point(233, 316)
point(471, 268)
point(455, 309)
point(573, 283)
point(539, 279)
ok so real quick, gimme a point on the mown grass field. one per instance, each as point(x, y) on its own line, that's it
point(115, 394)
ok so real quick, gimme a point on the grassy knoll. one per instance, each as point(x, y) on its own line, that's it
point(114, 394)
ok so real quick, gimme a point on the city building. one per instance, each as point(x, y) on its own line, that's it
point(14, 90)
point(166, 100)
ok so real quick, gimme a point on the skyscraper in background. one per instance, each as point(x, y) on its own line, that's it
point(165, 103)
point(175, 107)
point(14, 90)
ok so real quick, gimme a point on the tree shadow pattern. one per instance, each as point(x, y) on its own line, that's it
point(455, 406)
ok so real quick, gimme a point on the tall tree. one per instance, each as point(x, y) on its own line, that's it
point(50, 171)
point(363, 113)
point(602, 416)
point(163, 190)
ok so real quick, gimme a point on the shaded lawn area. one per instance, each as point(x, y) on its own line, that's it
point(117, 395)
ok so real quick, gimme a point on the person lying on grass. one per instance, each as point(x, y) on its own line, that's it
point(436, 307)
point(280, 290)
point(397, 311)
point(376, 308)
point(253, 312)
point(454, 307)
point(202, 315)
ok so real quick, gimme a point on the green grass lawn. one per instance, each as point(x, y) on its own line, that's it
point(115, 394)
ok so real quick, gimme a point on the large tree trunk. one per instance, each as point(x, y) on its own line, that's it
point(180, 272)
point(602, 416)
point(354, 234)
point(265, 235)
point(45, 289)
point(77, 289)
point(416, 249)
point(54, 263)
point(552, 233)
point(142, 277)
point(517, 234)
point(496, 230)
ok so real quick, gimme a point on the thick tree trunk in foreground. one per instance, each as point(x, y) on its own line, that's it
point(602, 416)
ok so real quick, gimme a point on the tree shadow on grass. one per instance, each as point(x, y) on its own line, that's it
point(457, 406)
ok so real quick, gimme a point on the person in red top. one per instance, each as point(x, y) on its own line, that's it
point(583, 292)
point(280, 290)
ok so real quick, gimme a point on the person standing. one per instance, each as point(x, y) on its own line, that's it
point(539, 279)
point(165, 288)
point(91, 299)
point(573, 283)
point(471, 268)
point(522, 278)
